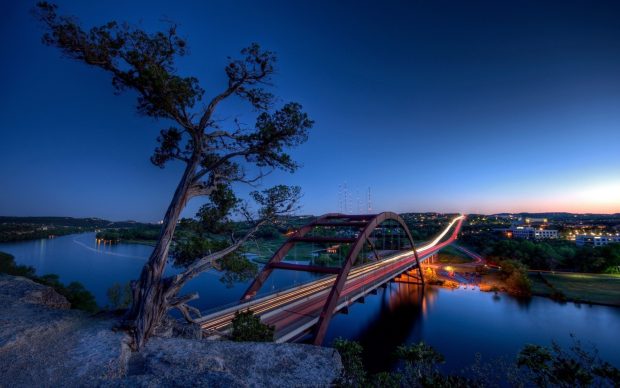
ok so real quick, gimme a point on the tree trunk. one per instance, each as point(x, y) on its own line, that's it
point(149, 294)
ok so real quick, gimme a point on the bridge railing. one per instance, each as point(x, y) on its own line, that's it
point(239, 304)
point(344, 301)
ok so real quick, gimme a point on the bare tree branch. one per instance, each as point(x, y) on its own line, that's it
point(205, 262)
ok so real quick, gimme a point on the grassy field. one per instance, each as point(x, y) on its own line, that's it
point(539, 287)
point(266, 248)
point(451, 255)
point(589, 288)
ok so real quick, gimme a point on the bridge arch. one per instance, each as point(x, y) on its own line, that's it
point(366, 223)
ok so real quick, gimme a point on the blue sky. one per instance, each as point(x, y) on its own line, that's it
point(436, 106)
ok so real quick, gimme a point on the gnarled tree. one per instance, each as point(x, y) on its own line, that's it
point(214, 155)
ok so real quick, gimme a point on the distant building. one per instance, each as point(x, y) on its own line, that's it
point(595, 241)
point(545, 234)
point(525, 232)
point(530, 233)
point(532, 220)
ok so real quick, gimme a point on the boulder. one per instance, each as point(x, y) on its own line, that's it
point(20, 289)
point(178, 361)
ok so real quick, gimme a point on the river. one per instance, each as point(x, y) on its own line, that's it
point(459, 323)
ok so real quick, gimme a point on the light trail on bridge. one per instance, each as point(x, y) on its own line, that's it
point(268, 304)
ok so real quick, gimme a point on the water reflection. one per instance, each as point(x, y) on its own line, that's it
point(523, 303)
point(402, 310)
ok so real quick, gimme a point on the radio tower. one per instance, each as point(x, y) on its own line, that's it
point(340, 198)
point(369, 202)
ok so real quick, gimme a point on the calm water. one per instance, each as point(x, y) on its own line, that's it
point(458, 323)
point(98, 266)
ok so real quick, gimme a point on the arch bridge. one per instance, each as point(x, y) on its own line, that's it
point(364, 252)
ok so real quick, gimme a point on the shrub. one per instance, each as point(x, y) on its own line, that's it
point(558, 367)
point(237, 268)
point(514, 273)
point(119, 296)
point(248, 327)
point(353, 374)
point(8, 266)
point(79, 297)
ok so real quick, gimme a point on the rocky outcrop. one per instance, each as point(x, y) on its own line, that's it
point(170, 328)
point(44, 344)
point(185, 362)
point(17, 289)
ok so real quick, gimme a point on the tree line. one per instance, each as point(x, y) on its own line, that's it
point(546, 255)
point(535, 365)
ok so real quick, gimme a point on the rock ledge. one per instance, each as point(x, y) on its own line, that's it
point(44, 344)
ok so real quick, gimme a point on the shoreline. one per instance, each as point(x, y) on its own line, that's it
point(489, 283)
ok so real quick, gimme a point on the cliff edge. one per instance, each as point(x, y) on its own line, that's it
point(43, 343)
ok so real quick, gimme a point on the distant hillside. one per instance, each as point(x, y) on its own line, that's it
point(33, 228)
point(91, 222)
point(564, 215)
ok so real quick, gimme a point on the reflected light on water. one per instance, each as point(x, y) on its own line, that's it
point(401, 313)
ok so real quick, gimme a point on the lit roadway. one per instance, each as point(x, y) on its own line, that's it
point(296, 310)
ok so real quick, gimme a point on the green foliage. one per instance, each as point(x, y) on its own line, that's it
point(146, 63)
point(277, 200)
point(452, 255)
point(514, 274)
point(248, 327)
point(354, 374)
point(546, 255)
point(21, 232)
point(421, 369)
point(386, 380)
point(576, 367)
point(188, 250)
point(119, 296)
point(33, 228)
point(79, 297)
point(419, 353)
point(8, 266)
point(237, 268)
point(326, 260)
point(140, 233)
point(213, 220)
point(539, 255)
point(423, 226)
point(136, 59)
point(536, 365)
point(614, 269)
point(214, 215)
point(269, 232)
